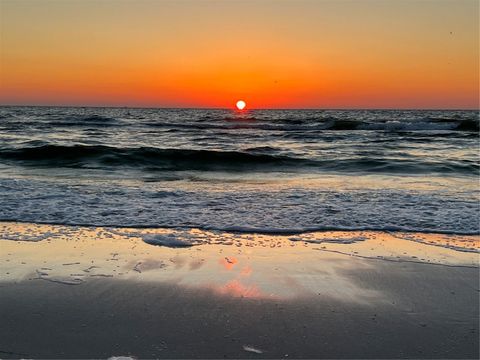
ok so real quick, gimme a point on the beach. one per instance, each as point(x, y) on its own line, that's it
point(260, 179)
point(100, 292)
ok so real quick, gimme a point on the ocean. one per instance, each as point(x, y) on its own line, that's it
point(256, 171)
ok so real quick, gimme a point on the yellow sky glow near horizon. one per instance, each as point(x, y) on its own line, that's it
point(270, 53)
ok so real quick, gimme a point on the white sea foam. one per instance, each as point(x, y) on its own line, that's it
point(34, 235)
point(168, 240)
point(252, 349)
point(336, 240)
point(248, 208)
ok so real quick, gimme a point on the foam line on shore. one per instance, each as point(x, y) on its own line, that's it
point(255, 230)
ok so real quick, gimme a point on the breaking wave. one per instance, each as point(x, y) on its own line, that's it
point(155, 159)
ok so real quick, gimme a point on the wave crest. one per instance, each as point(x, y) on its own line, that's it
point(153, 159)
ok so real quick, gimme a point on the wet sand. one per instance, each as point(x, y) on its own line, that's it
point(69, 292)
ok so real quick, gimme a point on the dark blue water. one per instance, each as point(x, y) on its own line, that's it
point(260, 170)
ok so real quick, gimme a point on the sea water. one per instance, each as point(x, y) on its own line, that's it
point(278, 171)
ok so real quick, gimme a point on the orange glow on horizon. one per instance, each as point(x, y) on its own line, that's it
point(194, 53)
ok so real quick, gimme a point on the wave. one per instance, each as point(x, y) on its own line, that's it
point(289, 122)
point(64, 122)
point(455, 123)
point(153, 159)
point(400, 126)
point(324, 124)
point(82, 121)
point(251, 230)
point(60, 155)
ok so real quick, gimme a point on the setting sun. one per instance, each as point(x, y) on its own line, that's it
point(241, 104)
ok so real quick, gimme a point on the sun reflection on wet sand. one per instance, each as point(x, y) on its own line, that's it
point(237, 265)
point(228, 262)
point(237, 289)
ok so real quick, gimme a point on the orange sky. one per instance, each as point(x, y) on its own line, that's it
point(271, 53)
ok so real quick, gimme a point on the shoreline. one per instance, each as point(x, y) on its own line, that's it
point(252, 230)
point(73, 292)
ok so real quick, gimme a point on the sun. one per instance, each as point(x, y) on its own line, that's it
point(241, 104)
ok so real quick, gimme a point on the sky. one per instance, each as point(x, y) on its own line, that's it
point(270, 53)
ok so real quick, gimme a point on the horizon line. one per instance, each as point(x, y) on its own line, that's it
point(234, 109)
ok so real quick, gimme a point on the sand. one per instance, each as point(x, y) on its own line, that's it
point(72, 292)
